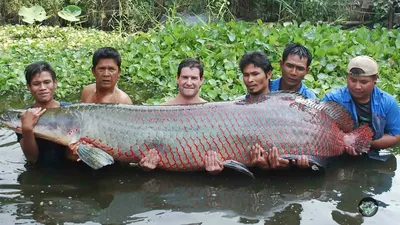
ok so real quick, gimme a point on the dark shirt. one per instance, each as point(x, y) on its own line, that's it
point(364, 113)
point(51, 154)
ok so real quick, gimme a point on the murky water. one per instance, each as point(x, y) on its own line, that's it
point(121, 195)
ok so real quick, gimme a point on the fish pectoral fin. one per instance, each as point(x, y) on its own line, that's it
point(94, 157)
point(238, 166)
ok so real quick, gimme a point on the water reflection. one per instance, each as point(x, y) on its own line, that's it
point(121, 195)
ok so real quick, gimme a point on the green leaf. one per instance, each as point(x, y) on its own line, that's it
point(212, 82)
point(330, 67)
point(168, 40)
point(322, 76)
point(232, 37)
point(398, 43)
point(309, 77)
point(35, 13)
point(70, 13)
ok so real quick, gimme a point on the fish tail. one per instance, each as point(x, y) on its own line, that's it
point(363, 139)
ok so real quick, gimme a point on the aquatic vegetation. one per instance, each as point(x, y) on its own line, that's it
point(150, 59)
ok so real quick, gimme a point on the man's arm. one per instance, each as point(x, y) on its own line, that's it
point(386, 141)
point(392, 127)
point(28, 143)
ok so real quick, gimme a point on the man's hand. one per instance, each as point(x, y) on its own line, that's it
point(351, 151)
point(302, 162)
point(259, 157)
point(213, 164)
point(150, 161)
point(30, 117)
point(275, 161)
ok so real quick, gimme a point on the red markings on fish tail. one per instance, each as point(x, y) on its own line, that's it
point(119, 152)
point(216, 145)
point(290, 140)
point(224, 148)
point(230, 147)
point(238, 149)
point(179, 157)
point(204, 149)
point(197, 150)
point(251, 136)
point(243, 150)
point(173, 157)
point(141, 153)
point(132, 153)
point(208, 143)
point(147, 147)
point(209, 122)
point(160, 156)
point(190, 148)
point(184, 152)
point(166, 157)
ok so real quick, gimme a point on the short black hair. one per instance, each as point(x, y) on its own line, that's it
point(36, 68)
point(299, 50)
point(106, 53)
point(191, 63)
point(259, 59)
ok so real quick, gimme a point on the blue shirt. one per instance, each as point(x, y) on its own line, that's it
point(384, 108)
point(274, 85)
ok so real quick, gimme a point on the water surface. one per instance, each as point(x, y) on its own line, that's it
point(122, 195)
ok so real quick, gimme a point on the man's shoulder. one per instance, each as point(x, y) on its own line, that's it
point(123, 97)
point(384, 97)
point(88, 92)
point(274, 84)
point(337, 94)
point(89, 87)
point(306, 91)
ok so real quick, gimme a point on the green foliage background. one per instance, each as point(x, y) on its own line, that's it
point(134, 15)
point(150, 59)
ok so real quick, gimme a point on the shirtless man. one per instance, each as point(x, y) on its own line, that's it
point(189, 79)
point(106, 69)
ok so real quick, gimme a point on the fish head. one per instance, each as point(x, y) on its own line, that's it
point(54, 125)
point(11, 118)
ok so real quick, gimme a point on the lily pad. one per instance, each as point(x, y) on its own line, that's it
point(70, 13)
point(32, 14)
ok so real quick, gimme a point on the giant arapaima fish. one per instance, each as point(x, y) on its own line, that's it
point(183, 134)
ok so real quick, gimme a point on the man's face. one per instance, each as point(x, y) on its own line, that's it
point(106, 73)
point(189, 82)
point(293, 70)
point(42, 87)
point(255, 79)
point(360, 87)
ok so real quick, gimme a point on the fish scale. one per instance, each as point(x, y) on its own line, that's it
point(183, 134)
